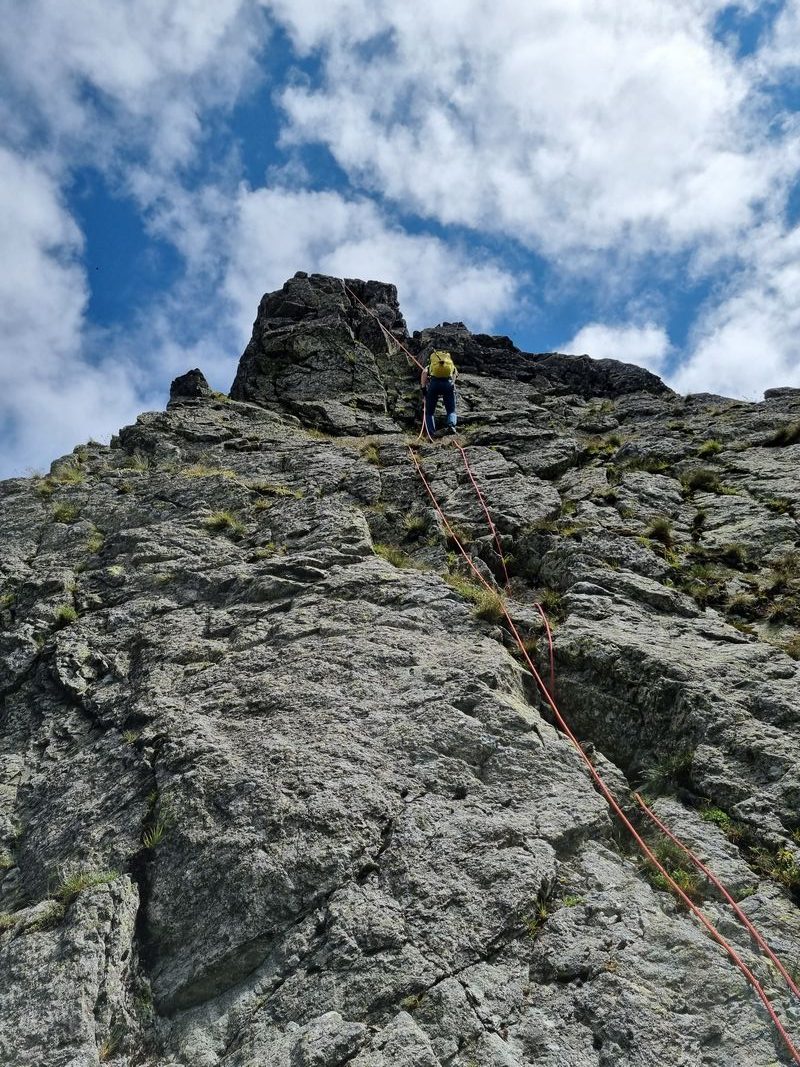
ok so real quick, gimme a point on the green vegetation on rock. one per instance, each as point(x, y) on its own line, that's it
point(226, 522)
point(71, 884)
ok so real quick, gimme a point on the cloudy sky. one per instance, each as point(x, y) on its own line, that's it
point(617, 177)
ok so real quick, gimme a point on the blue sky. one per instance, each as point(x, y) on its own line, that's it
point(617, 177)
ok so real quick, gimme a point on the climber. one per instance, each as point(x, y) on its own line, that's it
point(438, 380)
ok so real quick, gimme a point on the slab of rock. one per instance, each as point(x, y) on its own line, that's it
point(251, 691)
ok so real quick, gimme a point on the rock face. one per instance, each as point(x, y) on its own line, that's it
point(189, 386)
point(274, 789)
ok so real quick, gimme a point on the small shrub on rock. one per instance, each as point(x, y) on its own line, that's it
point(733, 555)
point(65, 615)
point(779, 505)
point(660, 529)
point(786, 435)
point(711, 447)
point(701, 480)
point(66, 513)
point(227, 523)
point(669, 772)
point(698, 522)
point(732, 829)
point(780, 865)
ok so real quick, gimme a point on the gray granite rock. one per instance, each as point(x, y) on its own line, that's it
point(275, 790)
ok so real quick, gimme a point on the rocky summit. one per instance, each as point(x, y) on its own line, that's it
point(277, 788)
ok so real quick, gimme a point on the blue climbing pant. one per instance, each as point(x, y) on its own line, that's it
point(444, 388)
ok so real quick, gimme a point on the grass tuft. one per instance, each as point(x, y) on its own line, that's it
point(136, 461)
point(227, 523)
point(701, 479)
point(539, 914)
point(370, 453)
point(199, 470)
point(648, 464)
point(674, 861)
point(734, 555)
point(415, 526)
point(269, 550)
point(275, 489)
point(779, 505)
point(95, 541)
point(65, 615)
point(66, 513)
point(71, 885)
point(394, 555)
point(786, 435)
point(156, 832)
point(660, 529)
point(553, 604)
point(667, 773)
point(711, 447)
point(488, 604)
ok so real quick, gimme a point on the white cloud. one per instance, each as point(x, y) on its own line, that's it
point(124, 88)
point(566, 123)
point(104, 76)
point(780, 54)
point(279, 231)
point(750, 340)
point(647, 345)
point(49, 396)
point(574, 126)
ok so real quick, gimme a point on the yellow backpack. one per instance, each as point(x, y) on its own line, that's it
point(441, 364)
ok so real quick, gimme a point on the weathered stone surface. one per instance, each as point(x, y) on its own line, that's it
point(69, 980)
point(330, 815)
point(189, 386)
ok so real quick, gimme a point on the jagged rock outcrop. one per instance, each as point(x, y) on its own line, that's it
point(272, 793)
point(189, 386)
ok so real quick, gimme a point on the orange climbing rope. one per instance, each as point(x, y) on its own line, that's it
point(549, 633)
point(389, 336)
point(723, 890)
point(752, 930)
point(600, 784)
point(741, 915)
point(480, 496)
point(606, 792)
